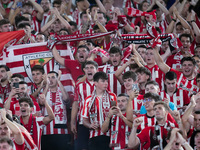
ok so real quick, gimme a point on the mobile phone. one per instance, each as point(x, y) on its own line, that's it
point(16, 85)
point(113, 103)
point(135, 87)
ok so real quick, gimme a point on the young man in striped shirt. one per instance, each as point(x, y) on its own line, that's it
point(95, 110)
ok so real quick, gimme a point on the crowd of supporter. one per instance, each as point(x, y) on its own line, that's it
point(130, 92)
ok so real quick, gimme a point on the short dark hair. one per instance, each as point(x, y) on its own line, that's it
point(38, 68)
point(153, 96)
point(198, 76)
point(92, 6)
point(141, 4)
point(23, 82)
point(83, 46)
point(141, 46)
point(45, 37)
point(152, 82)
point(64, 29)
point(94, 63)
point(186, 35)
point(104, 15)
point(18, 75)
point(23, 25)
point(53, 72)
point(129, 74)
point(115, 49)
point(162, 103)
point(57, 2)
point(178, 23)
point(170, 75)
point(4, 21)
point(83, 13)
point(188, 59)
point(72, 23)
point(27, 3)
point(123, 94)
point(5, 67)
point(27, 100)
point(7, 140)
point(100, 75)
point(144, 70)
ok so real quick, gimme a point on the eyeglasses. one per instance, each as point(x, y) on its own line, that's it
point(147, 100)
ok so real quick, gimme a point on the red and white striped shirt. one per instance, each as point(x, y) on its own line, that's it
point(82, 91)
point(34, 127)
point(184, 83)
point(137, 103)
point(96, 109)
point(179, 98)
point(4, 93)
point(35, 24)
point(162, 24)
point(156, 75)
point(174, 61)
point(114, 84)
point(119, 133)
point(59, 109)
point(45, 18)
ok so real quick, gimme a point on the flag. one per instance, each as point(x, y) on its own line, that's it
point(10, 37)
point(21, 58)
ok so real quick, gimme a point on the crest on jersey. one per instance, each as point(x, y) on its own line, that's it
point(178, 98)
point(44, 59)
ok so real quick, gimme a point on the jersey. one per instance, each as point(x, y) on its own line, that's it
point(82, 91)
point(4, 93)
point(34, 127)
point(119, 133)
point(96, 109)
point(114, 84)
point(174, 61)
point(180, 97)
point(59, 124)
point(137, 103)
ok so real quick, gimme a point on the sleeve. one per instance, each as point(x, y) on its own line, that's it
point(99, 61)
point(37, 106)
point(76, 93)
point(177, 73)
point(186, 98)
point(19, 147)
point(169, 61)
point(39, 121)
point(144, 135)
point(12, 108)
point(85, 111)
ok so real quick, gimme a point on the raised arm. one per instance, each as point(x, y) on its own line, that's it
point(57, 57)
point(39, 9)
point(13, 92)
point(133, 141)
point(159, 61)
point(50, 117)
point(164, 9)
point(101, 7)
point(19, 138)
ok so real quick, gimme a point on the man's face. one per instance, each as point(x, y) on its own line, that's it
point(15, 80)
point(82, 54)
point(57, 25)
point(142, 52)
point(4, 131)
point(45, 5)
point(176, 145)
point(149, 57)
point(93, 11)
point(148, 103)
point(52, 79)
point(84, 18)
point(122, 103)
point(188, 68)
point(164, 46)
point(145, 6)
point(197, 121)
point(27, 9)
point(150, 88)
point(40, 38)
point(58, 6)
point(37, 76)
point(90, 70)
point(197, 139)
point(5, 28)
point(23, 90)
point(179, 29)
point(197, 60)
point(25, 109)
point(3, 74)
point(102, 84)
point(115, 59)
point(142, 77)
point(198, 82)
point(128, 83)
point(186, 43)
point(101, 19)
point(160, 112)
point(5, 146)
point(170, 85)
point(197, 51)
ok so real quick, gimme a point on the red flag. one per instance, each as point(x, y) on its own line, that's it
point(10, 37)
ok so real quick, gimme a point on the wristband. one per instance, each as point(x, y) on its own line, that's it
point(174, 20)
point(13, 8)
point(193, 21)
point(185, 142)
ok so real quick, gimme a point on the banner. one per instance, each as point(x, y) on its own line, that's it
point(21, 58)
point(10, 38)
point(144, 38)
